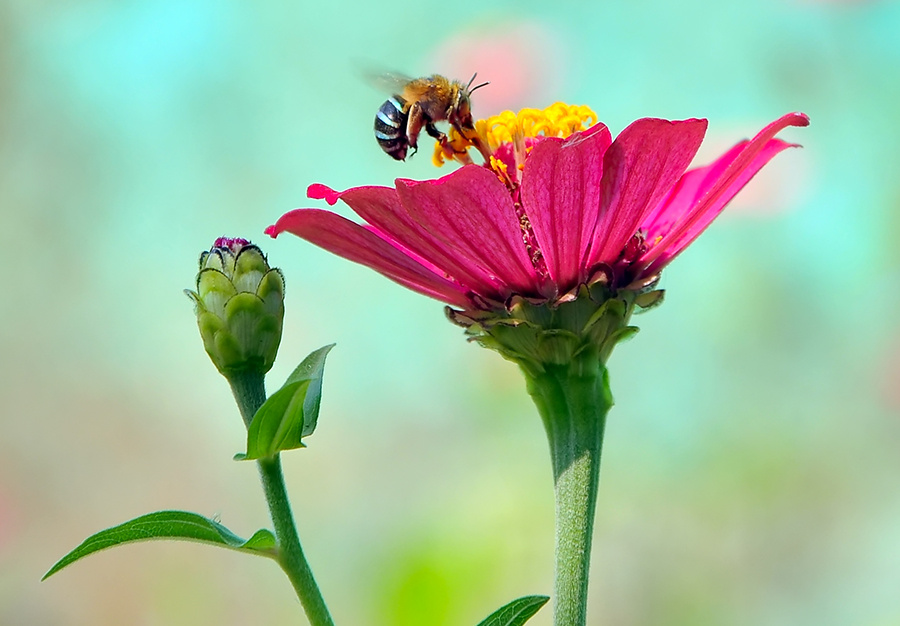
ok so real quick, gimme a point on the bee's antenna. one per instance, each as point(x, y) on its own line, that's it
point(476, 86)
point(469, 88)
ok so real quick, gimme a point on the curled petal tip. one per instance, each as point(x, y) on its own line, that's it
point(802, 118)
point(795, 118)
point(318, 191)
point(272, 231)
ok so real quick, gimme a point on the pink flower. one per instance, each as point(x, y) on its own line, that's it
point(547, 214)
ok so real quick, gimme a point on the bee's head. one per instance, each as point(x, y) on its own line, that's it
point(461, 111)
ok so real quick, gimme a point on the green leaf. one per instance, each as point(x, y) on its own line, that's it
point(278, 424)
point(516, 612)
point(169, 525)
point(290, 413)
point(312, 368)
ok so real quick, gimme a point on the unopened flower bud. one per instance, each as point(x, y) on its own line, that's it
point(239, 304)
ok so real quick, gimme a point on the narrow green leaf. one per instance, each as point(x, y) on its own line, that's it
point(168, 525)
point(290, 413)
point(516, 612)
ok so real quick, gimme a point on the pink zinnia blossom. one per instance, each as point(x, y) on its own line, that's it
point(548, 249)
point(545, 215)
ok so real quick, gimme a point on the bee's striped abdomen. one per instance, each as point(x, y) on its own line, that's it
point(390, 127)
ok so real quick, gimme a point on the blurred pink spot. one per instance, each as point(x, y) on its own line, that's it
point(523, 61)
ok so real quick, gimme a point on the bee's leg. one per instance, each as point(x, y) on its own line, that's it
point(450, 152)
point(414, 123)
point(468, 131)
point(434, 132)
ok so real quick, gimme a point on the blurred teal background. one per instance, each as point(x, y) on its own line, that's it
point(751, 466)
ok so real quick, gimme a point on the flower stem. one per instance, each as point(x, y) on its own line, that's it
point(249, 389)
point(250, 393)
point(573, 401)
point(291, 557)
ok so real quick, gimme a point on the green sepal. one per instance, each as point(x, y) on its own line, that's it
point(250, 331)
point(516, 612)
point(169, 525)
point(214, 289)
point(537, 334)
point(271, 291)
point(249, 267)
point(290, 413)
point(649, 300)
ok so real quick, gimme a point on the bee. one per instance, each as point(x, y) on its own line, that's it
point(419, 103)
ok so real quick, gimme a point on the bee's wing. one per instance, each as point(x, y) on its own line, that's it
point(388, 82)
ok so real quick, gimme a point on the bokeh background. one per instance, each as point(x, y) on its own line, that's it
point(751, 466)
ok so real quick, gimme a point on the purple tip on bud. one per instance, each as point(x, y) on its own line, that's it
point(231, 243)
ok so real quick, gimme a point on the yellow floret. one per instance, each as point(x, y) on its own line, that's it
point(557, 120)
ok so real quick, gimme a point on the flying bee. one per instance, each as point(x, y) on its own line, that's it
point(419, 103)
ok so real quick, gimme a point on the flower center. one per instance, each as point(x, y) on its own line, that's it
point(516, 130)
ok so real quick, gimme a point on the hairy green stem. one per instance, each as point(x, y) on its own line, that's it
point(291, 557)
point(250, 393)
point(573, 401)
point(249, 389)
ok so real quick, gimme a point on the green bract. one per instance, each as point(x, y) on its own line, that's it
point(537, 334)
point(290, 413)
point(239, 304)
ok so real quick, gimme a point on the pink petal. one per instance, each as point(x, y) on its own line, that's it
point(720, 182)
point(561, 196)
point(470, 212)
point(684, 195)
point(381, 207)
point(351, 241)
point(686, 209)
point(319, 191)
point(640, 167)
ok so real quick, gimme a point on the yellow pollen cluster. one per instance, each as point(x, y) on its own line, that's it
point(455, 147)
point(500, 167)
point(557, 120)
